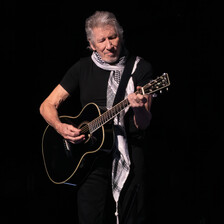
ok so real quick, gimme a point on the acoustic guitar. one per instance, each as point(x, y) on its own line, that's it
point(68, 163)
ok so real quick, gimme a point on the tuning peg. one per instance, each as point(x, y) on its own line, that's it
point(161, 91)
point(167, 89)
point(154, 95)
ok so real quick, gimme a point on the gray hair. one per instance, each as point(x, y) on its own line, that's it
point(99, 19)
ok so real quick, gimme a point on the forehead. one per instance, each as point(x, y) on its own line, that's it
point(104, 31)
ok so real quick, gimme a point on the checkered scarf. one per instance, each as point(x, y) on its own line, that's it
point(121, 161)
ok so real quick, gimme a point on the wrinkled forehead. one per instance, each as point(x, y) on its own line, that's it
point(104, 31)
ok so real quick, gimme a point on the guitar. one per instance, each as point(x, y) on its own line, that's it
point(65, 162)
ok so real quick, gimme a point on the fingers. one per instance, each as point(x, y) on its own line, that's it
point(76, 140)
point(70, 133)
point(137, 100)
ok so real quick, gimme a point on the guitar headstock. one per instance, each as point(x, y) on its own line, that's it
point(157, 84)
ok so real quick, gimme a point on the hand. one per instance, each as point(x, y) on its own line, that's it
point(137, 100)
point(141, 106)
point(70, 133)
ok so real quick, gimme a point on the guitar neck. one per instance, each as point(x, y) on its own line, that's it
point(107, 115)
point(153, 86)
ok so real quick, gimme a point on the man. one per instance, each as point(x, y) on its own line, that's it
point(119, 173)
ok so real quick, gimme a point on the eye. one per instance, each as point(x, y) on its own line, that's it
point(101, 40)
point(113, 37)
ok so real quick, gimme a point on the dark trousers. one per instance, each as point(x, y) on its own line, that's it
point(94, 196)
point(95, 201)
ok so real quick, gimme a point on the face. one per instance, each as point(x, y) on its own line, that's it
point(107, 43)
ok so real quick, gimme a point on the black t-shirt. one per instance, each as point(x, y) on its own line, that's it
point(92, 83)
point(92, 80)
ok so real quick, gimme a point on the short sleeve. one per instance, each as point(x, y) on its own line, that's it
point(70, 81)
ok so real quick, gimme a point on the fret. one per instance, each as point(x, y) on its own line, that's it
point(151, 87)
point(107, 116)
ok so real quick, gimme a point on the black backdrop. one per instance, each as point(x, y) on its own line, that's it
point(42, 39)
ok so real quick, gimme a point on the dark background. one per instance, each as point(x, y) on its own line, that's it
point(42, 39)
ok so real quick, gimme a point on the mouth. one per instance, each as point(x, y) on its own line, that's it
point(110, 54)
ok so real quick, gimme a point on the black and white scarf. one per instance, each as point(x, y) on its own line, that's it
point(121, 161)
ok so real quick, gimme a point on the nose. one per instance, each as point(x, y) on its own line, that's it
point(109, 45)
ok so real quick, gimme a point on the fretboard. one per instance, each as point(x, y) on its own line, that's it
point(107, 116)
point(150, 88)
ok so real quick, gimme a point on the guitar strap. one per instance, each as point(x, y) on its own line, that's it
point(124, 80)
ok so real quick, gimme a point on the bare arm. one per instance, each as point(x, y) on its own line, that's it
point(48, 108)
point(141, 105)
point(49, 111)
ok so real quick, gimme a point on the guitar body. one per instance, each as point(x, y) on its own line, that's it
point(67, 162)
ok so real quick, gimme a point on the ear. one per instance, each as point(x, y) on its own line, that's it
point(92, 46)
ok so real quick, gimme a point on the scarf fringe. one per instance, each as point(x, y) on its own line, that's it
point(117, 213)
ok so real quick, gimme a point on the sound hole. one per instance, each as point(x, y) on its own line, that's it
point(85, 130)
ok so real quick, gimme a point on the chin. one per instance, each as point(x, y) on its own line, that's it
point(111, 60)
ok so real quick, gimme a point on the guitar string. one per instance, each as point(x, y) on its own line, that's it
point(106, 116)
